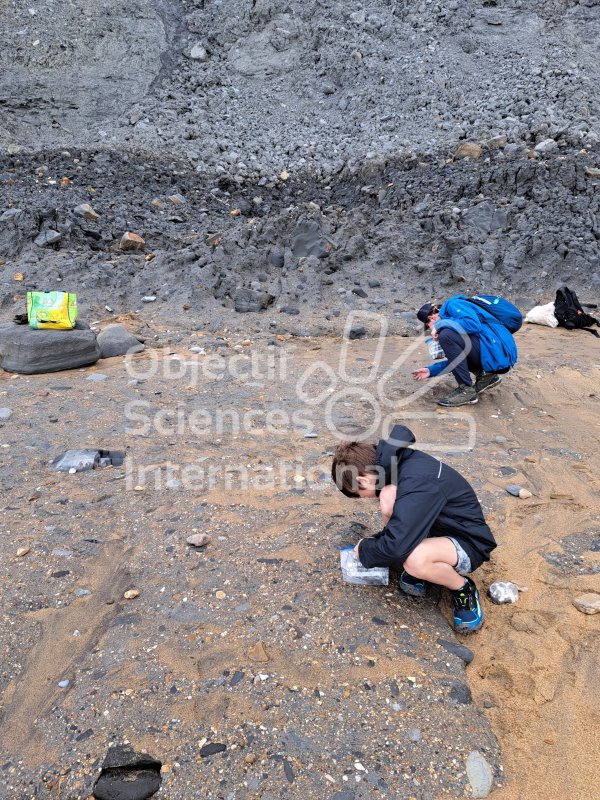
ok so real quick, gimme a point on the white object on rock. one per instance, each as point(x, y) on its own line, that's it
point(542, 315)
point(501, 592)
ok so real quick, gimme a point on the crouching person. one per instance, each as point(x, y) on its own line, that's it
point(434, 526)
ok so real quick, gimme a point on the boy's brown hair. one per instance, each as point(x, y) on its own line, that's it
point(350, 460)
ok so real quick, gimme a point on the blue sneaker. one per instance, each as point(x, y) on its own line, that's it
point(415, 587)
point(468, 613)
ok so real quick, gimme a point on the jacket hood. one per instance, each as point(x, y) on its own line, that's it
point(392, 450)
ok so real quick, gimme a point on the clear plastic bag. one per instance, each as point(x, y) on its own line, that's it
point(435, 350)
point(354, 572)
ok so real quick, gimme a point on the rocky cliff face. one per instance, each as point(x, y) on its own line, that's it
point(318, 157)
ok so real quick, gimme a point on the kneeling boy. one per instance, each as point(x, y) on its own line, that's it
point(434, 526)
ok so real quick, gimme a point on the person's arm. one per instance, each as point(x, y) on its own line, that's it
point(415, 511)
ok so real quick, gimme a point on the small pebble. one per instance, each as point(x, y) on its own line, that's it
point(131, 594)
point(524, 494)
point(22, 551)
point(198, 539)
point(220, 595)
point(5, 413)
point(514, 489)
point(63, 684)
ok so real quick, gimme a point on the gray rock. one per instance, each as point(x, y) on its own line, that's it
point(546, 146)
point(198, 52)
point(97, 376)
point(115, 340)
point(588, 603)
point(485, 216)
point(514, 489)
point(246, 300)
point(79, 460)
point(5, 413)
point(461, 694)
point(10, 213)
point(458, 650)
point(46, 238)
point(501, 592)
point(357, 332)
point(29, 351)
point(479, 774)
point(149, 298)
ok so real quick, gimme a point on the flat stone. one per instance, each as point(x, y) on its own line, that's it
point(212, 748)
point(258, 653)
point(97, 376)
point(46, 238)
point(30, 352)
point(524, 494)
point(479, 774)
point(588, 603)
point(5, 413)
point(79, 460)
point(458, 650)
point(514, 489)
point(116, 340)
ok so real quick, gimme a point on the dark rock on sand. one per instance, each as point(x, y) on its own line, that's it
point(29, 351)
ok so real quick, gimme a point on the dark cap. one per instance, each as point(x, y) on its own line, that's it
point(424, 312)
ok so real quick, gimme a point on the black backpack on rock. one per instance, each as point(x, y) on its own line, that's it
point(569, 313)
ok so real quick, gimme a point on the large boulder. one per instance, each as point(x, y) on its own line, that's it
point(246, 300)
point(115, 340)
point(29, 351)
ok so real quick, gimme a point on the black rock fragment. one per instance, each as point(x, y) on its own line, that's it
point(458, 650)
point(127, 775)
point(211, 748)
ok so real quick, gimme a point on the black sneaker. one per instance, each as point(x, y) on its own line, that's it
point(486, 380)
point(462, 396)
point(415, 587)
point(468, 613)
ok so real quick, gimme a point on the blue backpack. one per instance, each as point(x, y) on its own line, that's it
point(503, 310)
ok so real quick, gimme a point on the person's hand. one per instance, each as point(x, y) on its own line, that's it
point(421, 374)
point(356, 548)
point(434, 334)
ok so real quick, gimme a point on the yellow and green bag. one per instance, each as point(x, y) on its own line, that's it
point(52, 310)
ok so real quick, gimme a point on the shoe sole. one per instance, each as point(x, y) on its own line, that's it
point(466, 630)
point(490, 386)
point(458, 405)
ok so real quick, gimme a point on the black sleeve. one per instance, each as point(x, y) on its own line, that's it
point(415, 511)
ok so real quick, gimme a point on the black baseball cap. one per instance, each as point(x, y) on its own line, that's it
point(426, 311)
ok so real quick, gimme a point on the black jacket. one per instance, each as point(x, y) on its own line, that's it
point(432, 500)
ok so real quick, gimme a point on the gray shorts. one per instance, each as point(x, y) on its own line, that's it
point(463, 565)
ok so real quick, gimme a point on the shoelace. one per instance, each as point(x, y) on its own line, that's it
point(464, 600)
